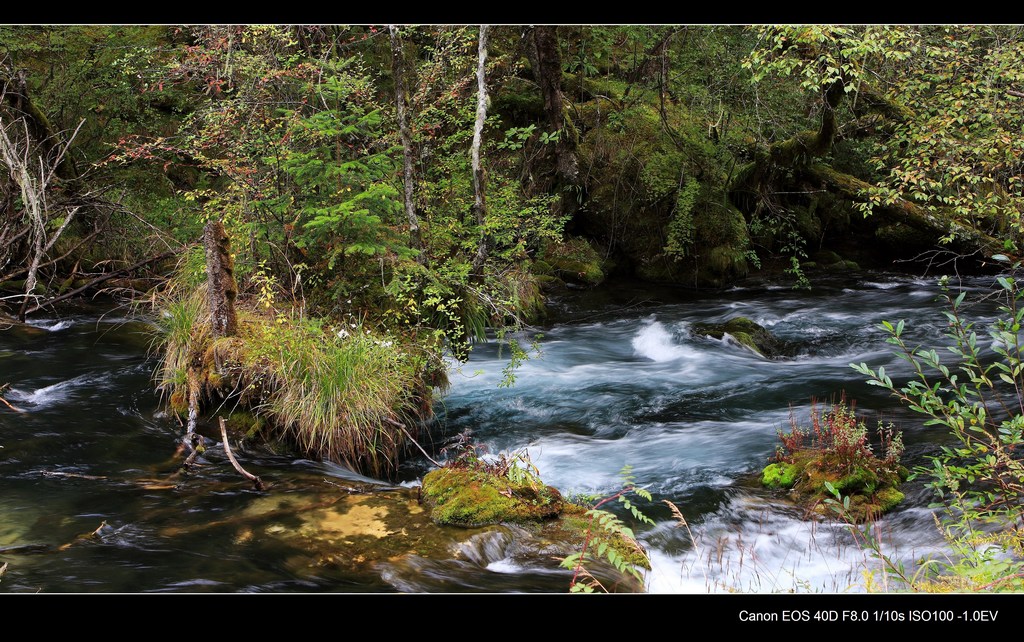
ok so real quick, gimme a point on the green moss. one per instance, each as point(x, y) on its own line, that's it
point(542, 268)
point(727, 260)
point(888, 498)
point(780, 475)
point(861, 480)
point(746, 332)
point(870, 487)
point(576, 261)
point(827, 257)
point(549, 284)
point(243, 422)
point(470, 498)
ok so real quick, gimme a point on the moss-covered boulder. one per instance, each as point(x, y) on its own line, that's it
point(573, 261)
point(475, 496)
point(747, 333)
point(471, 498)
point(870, 484)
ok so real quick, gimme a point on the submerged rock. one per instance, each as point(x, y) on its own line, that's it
point(390, 534)
point(747, 333)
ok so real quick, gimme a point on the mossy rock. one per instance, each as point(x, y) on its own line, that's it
point(575, 524)
point(574, 261)
point(826, 257)
point(888, 498)
point(870, 486)
point(550, 284)
point(474, 498)
point(748, 333)
point(780, 475)
point(541, 268)
point(471, 498)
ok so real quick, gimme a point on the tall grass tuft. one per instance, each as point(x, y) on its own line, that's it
point(344, 395)
point(347, 394)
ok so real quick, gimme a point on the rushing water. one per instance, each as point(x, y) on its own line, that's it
point(88, 502)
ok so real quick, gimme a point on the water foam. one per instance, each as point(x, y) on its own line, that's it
point(50, 325)
point(58, 392)
point(655, 342)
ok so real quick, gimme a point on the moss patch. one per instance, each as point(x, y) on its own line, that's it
point(574, 261)
point(780, 475)
point(471, 498)
point(748, 333)
point(870, 486)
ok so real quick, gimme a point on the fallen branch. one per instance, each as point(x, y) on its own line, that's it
point(190, 439)
point(8, 404)
point(83, 537)
point(402, 428)
point(256, 481)
point(57, 473)
point(25, 549)
point(97, 280)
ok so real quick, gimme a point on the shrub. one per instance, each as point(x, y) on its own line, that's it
point(834, 455)
point(979, 479)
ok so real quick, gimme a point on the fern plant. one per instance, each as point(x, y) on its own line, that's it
point(607, 538)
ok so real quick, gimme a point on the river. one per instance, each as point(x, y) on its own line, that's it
point(88, 502)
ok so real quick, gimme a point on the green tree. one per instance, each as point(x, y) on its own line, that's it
point(934, 103)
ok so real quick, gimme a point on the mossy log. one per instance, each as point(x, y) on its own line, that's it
point(902, 210)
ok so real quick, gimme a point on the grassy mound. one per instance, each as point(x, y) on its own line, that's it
point(341, 392)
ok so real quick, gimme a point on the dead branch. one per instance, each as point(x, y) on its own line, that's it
point(56, 473)
point(256, 481)
point(84, 537)
point(402, 428)
point(98, 280)
point(8, 404)
point(21, 156)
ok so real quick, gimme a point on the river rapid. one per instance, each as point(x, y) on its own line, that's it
point(616, 379)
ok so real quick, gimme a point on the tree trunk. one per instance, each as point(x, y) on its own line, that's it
point(220, 268)
point(546, 60)
point(15, 92)
point(902, 210)
point(479, 178)
point(397, 67)
point(756, 181)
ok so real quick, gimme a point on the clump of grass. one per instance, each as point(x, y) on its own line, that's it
point(182, 323)
point(347, 394)
point(340, 394)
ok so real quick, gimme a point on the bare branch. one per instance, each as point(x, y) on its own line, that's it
point(256, 481)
